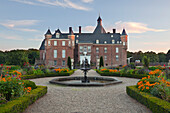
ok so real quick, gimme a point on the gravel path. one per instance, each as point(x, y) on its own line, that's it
point(108, 99)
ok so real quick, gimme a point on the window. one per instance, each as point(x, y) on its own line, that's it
point(77, 35)
point(105, 42)
point(120, 42)
point(55, 53)
point(77, 41)
point(113, 41)
point(81, 48)
point(89, 48)
point(105, 57)
point(55, 62)
point(69, 43)
point(55, 43)
point(49, 43)
point(117, 50)
point(117, 42)
point(85, 48)
point(97, 41)
point(111, 35)
point(57, 35)
point(63, 53)
point(63, 63)
point(97, 50)
point(117, 58)
point(72, 43)
point(97, 56)
point(105, 50)
point(124, 43)
point(63, 43)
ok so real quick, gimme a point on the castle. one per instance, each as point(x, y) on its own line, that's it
point(57, 47)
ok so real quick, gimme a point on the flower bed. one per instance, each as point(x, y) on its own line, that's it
point(118, 74)
point(54, 74)
point(21, 103)
point(156, 105)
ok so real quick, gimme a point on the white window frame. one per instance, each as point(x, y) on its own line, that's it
point(113, 41)
point(49, 42)
point(55, 43)
point(77, 41)
point(63, 53)
point(97, 41)
point(55, 53)
point(57, 35)
point(72, 43)
point(105, 57)
point(85, 48)
point(117, 50)
point(117, 42)
point(124, 43)
point(117, 57)
point(55, 62)
point(97, 50)
point(89, 48)
point(63, 63)
point(63, 43)
point(81, 48)
point(105, 49)
point(69, 43)
point(111, 36)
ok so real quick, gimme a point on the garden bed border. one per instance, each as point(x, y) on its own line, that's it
point(21, 103)
point(155, 104)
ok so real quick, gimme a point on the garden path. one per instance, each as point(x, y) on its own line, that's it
point(108, 99)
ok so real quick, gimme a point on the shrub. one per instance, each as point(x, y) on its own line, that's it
point(155, 104)
point(101, 64)
point(28, 83)
point(145, 62)
point(21, 103)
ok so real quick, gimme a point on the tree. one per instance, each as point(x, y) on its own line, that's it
point(168, 56)
point(145, 62)
point(69, 62)
point(162, 57)
point(101, 62)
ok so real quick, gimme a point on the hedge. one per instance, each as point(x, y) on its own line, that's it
point(156, 105)
point(47, 75)
point(21, 103)
point(139, 76)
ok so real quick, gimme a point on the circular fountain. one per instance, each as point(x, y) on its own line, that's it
point(85, 81)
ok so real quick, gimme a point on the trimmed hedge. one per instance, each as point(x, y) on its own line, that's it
point(47, 75)
point(21, 103)
point(156, 105)
point(139, 76)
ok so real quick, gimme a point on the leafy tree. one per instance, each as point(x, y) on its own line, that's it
point(145, 62)
point(69, 62)
point(101, 62)
point(162, 57)
point(32, 55)
point(168, 56)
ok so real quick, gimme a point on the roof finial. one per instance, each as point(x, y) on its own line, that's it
point(48, 27)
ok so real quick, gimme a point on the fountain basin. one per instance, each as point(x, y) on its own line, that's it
point(77, 81)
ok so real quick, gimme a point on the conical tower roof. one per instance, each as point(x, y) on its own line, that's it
point(99, 28)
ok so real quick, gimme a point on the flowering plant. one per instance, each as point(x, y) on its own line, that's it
point(61, 70)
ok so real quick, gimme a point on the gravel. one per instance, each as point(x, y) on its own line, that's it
point(108, 99)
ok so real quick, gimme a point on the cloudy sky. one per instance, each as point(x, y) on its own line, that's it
point(24, 22)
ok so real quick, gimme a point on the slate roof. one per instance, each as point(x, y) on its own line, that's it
point(42, 47)
point(124, 32)
point(48, 32)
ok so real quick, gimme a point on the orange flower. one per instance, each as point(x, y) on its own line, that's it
point(29, 88)
point(148, 76)
point(4, 79)
point(147, 87)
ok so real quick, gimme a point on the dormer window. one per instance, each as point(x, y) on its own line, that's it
point(111, 36)
point(77, 41)
point(117, 42)
point(113, 41)
point(77, 35)
point(105, 42)
point(120, 42)
point(57, 35)
point(97, 41)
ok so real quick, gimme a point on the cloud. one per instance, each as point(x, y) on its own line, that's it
point(62, 3)
point(17, 24)
point(11, 37)
point(88, 28)
point(35, 39)
point(135, 27)
point(87, 1)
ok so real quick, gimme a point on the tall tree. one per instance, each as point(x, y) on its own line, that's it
point(101, 62)
point(162, 57)
point(69, 62)
point(168, 55)
point(145, 62)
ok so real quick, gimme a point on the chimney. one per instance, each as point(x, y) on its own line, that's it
point(70, 31)
point(79, 29)
point(114, 30)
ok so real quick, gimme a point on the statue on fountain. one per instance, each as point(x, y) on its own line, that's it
point(85, 68)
